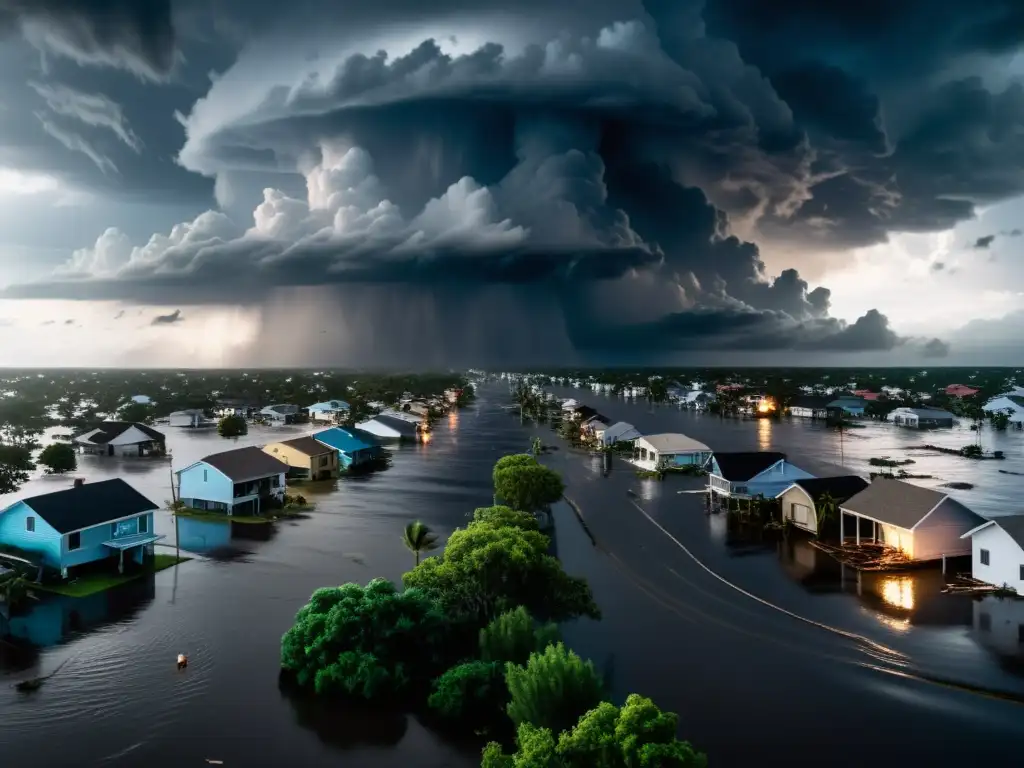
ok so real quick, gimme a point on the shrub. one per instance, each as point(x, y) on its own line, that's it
point(553, 690)
point(499, 516)
point(58, 458)
point(472, 694)
point(232, 426)
point(514, 635)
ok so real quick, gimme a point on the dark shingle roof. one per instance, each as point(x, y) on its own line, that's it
point(744, 466)
point(111, 429)
point(246, 463)
point(399, 425)
point(308, 446)
point(584, 411)
point(810, 401)
point(89, 504)
point(1013, 525)
point(839, 488)
point(895, 502)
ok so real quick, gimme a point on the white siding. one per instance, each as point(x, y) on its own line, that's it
point(131, 436)
point(939, 533)
point(1005, 558)
point(379, 429)
point(798, 507)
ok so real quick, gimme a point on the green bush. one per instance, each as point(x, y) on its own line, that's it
point(553, 690)
point(472, 694)
point(514, 635)
point(232, 426)
point(368, 641)
point(499, 516)
point(58, 458)
point(528, 488)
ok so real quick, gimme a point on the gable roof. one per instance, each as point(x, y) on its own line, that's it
point(307, 446)
point(342, 440)
point(895, 502)
point(89, 504)
point(673, 442)
point(109, 430)
point(1012, 524)
point(403, 426)
point(622, 430)
point(329, 405)
point(245, 463)
point(928, 413)
point(746, 465)
point(839, 488)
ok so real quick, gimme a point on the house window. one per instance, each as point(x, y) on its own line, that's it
point(30, 524)
point(801, 514)
point(74, 541)
point(205, 475)
point(143, 524)
point(983, 555)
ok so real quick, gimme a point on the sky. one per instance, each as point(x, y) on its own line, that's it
point(392, 183)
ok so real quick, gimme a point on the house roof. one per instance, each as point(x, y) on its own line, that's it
point(847, 400)
point(307, 445)
point(89, 504)
point(341, 440)
point(839, 488)
point(584, 411)
point(403, 426)
point(673, 442)
point(895, 502)
point(109, 430)
point(622, 429)
point(1012, 524)
point(329, 405)
point(929, 413)
point(245, 463)
point(746, 465)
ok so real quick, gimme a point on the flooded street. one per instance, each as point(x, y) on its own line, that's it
point(746, 678)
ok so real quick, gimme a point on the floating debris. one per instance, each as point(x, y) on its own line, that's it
point(34, 684)
point(967, 585)
point(958, 486)
point(868, 556)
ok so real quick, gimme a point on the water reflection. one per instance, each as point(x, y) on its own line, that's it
point(764, 434)
point(999, 627)
point(221, 540)
point(56, 619)
point(898, 591)
point(344, 726)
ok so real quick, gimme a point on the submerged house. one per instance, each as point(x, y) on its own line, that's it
point(1010, 404)
point(306, 458)
point(620, 432)
point(747, 475)
point(237, 482)
point(923, 523)
point(997, 549)
point(388, 427)
point(192, 417)
point(801, 502)
point(121, 438)
point(669, 449)
point(921, 418)
point(284, 413)
point(352, 450)
point(810, 406)
point(86, 523)
point(845, 406)
point(331, 411)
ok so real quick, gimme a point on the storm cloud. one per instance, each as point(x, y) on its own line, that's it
point(596, 166)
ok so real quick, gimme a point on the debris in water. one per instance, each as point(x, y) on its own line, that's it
point(967, 585)
point(211, 761)
point(182, 661)
point(867, 556)
point(35, 683)
point(958, 486)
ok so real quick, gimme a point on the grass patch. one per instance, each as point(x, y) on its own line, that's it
point(100, 582)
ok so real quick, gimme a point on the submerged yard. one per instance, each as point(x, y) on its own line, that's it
point(98, 582)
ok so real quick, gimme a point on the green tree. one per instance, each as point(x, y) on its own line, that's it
point(514, 635)
point(136, 413)
point(367, 641)
point(999, 420)
point(14, 590)
point(472, 694)
point(553, 690)
point(528, 488)
point(657, 390)
point(828, 509)
point(500, 516)
point(512, 460)
point(418, 538)
point(15, 464)
point(636, 735)
point(487, 569)
point(536, 446)
point(58, 458)
point(232, 425)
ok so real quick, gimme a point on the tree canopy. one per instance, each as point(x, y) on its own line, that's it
point(499, 516)
point(15, 464)
point(553, 689)
point(365, 641)
point(59, 458)
point(636, 735)
point(526, 484)
point(232, 425)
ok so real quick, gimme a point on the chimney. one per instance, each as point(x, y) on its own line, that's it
point(79, 482)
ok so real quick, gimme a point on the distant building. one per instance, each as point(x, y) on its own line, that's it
point(121, 438)
point(997, 547)
point(921, 418)
point(669, 449)
point(959, 390)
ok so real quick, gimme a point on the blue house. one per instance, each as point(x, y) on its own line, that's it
point(352, 451)
point(750, 475)
point(238, 482)
point(846, 406)
point(84, 524)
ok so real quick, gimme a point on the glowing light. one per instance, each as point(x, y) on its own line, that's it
point(898, 592)
point(453, 420)
point(425, 437)
point(766, 405)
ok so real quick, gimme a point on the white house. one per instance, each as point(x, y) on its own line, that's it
point(1010, 404)
point(997, 549)
point(191, 417)
point(800, 501)
point(620, 432)
point(330, 411)
point(285, 413)
point(746, 475)
point(810, 406)
point(595, 427)
point(920, 418)
point(923, 523)
point(570, 405)
point(669, 449)
point(121, 438)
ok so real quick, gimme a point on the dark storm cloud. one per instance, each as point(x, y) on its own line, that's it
point(984, 242)
point(130, 34)
point(174, 317)
point(935, 348)
point(69, 322)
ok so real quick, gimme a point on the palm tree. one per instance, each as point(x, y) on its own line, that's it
point(827, 509)
point(14, 590)
point(419, 538)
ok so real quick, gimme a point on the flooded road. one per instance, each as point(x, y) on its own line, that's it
point(745, 678)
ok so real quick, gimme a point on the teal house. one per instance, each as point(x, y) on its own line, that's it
point(108, 521)
point(352, 451)
point(846, 406)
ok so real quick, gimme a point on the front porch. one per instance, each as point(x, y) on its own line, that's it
point(138, 546)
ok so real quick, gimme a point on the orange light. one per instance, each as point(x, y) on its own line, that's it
point(425, 437)
point(767, 405)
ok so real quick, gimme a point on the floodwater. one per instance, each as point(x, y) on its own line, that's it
point(746, 678)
